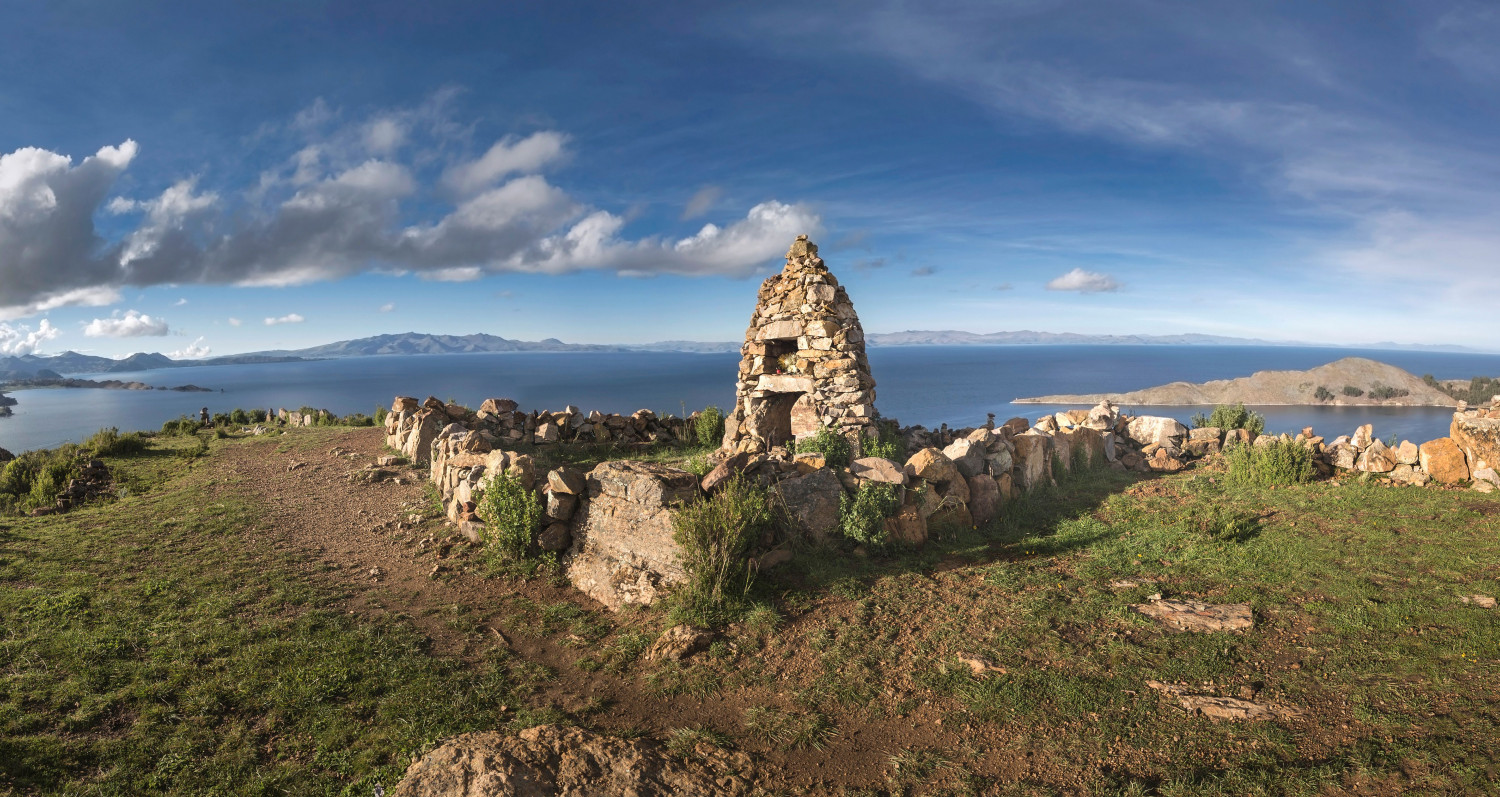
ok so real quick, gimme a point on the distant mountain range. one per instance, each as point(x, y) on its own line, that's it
point(70, 362)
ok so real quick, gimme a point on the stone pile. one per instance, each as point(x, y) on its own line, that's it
point(412, 427)
point(298, 418)
point(803, 366)
point(93, 481)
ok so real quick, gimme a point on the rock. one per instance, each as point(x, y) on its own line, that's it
point(951, 514)
point(1482, 601)
point(1224, 708)
point(967, 456)
point(555, 537)
point(1342, 456)
point(726, 470)
point(908, 527)
point(1363, 436)
point(404, 404)
point(1407, 453)
point(560, 506)
point(1017, 426)
point(1484, 487)
point(678, 643)
point(876, 469)
point(567, 481)
point(931, 465)
point(1443, 460)
point(546, 433)
point(497, 406)
point(984, 498)
point(809, 461)
point(1147, 429)
point(1163, 462)
point(978, 665)
point(387, 461)
point(1376, 458)
point(1486, 474)
point(812, 502)
point(774, 558)
point(473, 530)
point(1194, 616)
point(553, 761)
point(1033, 460)
point(1478, 438)
point(1406, 474)
point(622, 550)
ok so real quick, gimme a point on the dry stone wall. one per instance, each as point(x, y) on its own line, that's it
point(803, 366)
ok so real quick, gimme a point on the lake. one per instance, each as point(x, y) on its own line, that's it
point(926, 385)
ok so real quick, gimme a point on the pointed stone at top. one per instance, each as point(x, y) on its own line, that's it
point(802, 248)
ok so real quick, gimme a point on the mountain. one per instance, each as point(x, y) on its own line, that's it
point(1368, 377)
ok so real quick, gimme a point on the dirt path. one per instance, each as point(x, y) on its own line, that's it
point(378, 545)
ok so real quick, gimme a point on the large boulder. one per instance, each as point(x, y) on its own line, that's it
point(932, 465)
point(425, 428)
point(1062, 449)
point(554, 761)
point(1033, 466)
point(1363, 436)
point(812, 502)
point(1443, 460)
point(984, 498)
point(404, 404)
point(877, 469)
point(732, 466)
point(1478, 438)
point(1406, 453)
point(622, 550)
point(1148, 429)
point(1376, 458)
point(967, 456)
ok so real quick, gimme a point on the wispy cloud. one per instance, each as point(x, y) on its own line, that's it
point(702, 202)
point(289, 318)
point(388, 307)
point(1080, 281)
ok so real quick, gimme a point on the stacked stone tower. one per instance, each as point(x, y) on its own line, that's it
point(803, 365)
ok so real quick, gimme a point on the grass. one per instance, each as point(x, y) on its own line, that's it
point(158, 644)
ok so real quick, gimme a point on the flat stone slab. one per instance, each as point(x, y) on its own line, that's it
point(1224, 708)
point(1194, 616)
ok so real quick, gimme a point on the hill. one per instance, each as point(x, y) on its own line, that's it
point(1352, 381)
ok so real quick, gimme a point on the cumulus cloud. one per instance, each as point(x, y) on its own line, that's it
point(20, 339)
point(289, 318)
point(193, 351)
point(130, 325)
point(342, 203)
point(1080, 281)
point(388, 307)
point(702, 202)
point(508, 156)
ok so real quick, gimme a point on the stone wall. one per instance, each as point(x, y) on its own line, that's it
point(803, 366)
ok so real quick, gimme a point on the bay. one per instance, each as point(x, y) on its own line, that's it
point(928, 385)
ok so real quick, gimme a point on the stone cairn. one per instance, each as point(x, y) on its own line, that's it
point(803, 365)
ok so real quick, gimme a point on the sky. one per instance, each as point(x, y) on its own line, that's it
point(204, 179)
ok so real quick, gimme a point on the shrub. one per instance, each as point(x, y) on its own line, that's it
point(110, 443)
point(1352, 391)
point(832, 445)
point(709, 426)
point(379, 415)
point(889, 445)
point(511, 515)
point(716, 535)
point(862, 518)
point(1283, 463)
point(1383, 392)
point(1323, 394)
point(183, 425)
point(1232, 417)
point(239, 417)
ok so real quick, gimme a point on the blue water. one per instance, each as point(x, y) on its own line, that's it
point(926, 385)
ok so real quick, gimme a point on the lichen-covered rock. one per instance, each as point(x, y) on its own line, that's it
point(1376, 458)
point(967, 456)
point(812, 502)
point(931, 465)
point(1444, 461)
point(1033, 460)
point(552, 761)
point(622, 550)
point(1478, 437)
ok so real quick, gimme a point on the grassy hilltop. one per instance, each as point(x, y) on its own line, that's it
point(247, 619)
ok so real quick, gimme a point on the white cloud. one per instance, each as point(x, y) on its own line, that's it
point(388, 307)
point(508, 156)
point(384, 135)
point(234, 322)
point(79, 297)
point(1081, 281)
point(130, 325)
point(289, 318)
point(702, 202)
point(179, 303)
point(193, 351)
point(21, 339)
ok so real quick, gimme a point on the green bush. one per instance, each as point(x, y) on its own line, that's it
point(1383, 392)
point(1352, 391)
point(182, 425)
point(889, 445)
point(862, 518)
point(708, 427)
point(832, 445)
point(716, 535)
point(37, 478)
point(1283, 463)
point(511, 515)
point(239, 417)
point(1232, 417)
point(379, 415)
point(1323, 394)
point(110, 443)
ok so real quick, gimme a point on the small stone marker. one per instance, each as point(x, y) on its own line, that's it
point(1194, 616)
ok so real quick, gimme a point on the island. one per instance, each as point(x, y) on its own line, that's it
point(1352, 381)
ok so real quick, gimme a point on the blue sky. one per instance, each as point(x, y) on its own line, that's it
point(183, 178)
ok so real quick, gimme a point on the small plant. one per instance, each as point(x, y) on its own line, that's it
point(683, 742)
point(889, 445)
point(1352, 391)
point(716, 535)
point(1281, 464)
point(1221, 522)
point(832, 445)
point(1323, 394)
point(862, 518)
point(1232, 417)
point(511, 516)
point(708, 427)
point(789, 730)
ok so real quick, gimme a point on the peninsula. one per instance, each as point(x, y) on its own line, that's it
point(1352, 381)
